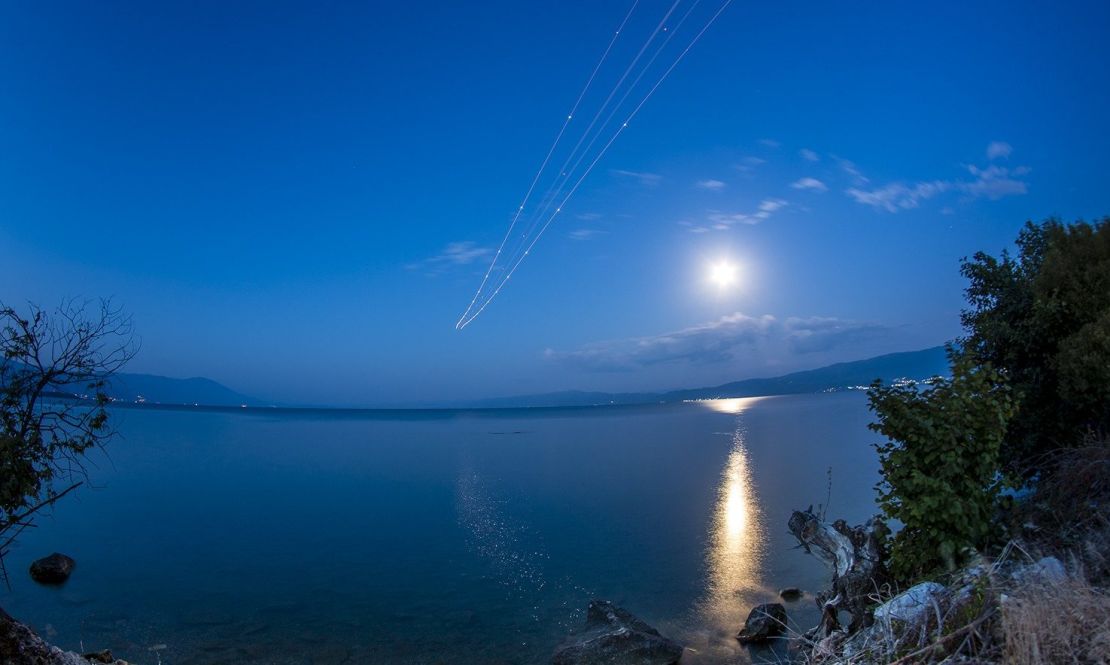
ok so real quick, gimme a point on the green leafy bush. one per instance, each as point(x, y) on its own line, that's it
point(1042, 318)
point(940, 462)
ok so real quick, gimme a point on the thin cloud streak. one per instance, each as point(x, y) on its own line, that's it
point(721, 221)
point(585, 234)
point(811, 184)
point(724, 340)
point(455, 254)
point(645, 179)
point(992, 182)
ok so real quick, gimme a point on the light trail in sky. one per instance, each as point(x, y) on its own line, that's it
point(535, 223)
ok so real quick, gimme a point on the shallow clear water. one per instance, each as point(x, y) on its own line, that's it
point(440, 537)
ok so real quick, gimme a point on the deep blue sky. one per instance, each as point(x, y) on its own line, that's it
point(298, 200)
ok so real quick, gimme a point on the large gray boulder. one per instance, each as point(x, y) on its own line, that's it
point(914, 605)
point(613, 636)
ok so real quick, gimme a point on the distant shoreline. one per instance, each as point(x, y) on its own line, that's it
point(431, 412)
point(135, 390)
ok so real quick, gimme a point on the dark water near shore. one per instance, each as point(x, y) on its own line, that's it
point(443, 537)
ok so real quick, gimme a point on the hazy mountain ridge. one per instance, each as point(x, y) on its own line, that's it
point(150, 388)
point(154, 389)
point(840, 376)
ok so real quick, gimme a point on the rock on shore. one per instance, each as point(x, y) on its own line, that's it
point(765, 622)
point(616, 637)
point(20, 645)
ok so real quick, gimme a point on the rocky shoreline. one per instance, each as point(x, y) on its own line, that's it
point(974, 614)
point(19, 645)
point(925, 623)
point(961, 612)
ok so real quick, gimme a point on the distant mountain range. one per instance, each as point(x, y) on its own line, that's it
point(841, 376)
point(153, 389)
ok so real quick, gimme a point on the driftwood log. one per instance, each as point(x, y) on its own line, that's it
point(855, 555)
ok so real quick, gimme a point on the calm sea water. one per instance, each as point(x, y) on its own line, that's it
point(440, 537)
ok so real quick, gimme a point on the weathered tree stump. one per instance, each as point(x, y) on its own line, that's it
point(856, 556)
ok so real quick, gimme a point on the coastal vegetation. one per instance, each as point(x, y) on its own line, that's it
point(940, 464)
point(999, 477)
point(1030, 379)
point(1042, 318)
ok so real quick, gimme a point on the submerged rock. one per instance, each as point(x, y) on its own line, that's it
point(615, 636)
point(764, 622)
point(53, 569)
point(790, 594)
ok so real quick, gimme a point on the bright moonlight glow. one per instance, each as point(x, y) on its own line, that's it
point(723, 274)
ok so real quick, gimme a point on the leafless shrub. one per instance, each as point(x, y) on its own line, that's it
point(54, 369)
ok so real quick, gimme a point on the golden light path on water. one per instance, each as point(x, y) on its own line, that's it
point(736, 545)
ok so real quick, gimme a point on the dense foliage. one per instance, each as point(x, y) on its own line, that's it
point(1031, 377)
point(45, 359)
point(940, 462)
point(1042, 318)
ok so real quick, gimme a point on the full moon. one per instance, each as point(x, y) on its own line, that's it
point(723, 274)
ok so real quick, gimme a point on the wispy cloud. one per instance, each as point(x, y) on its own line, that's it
point(995, 182)
point(709, 342)
point(769, 143)
point(821, 333)
point(720, 341)
point(991, 182)
point(848, 167)
point(455, 254)
point(809, 155)
point(749, 164)
point(646, 179)
point(692, 227)
point(768, 206)
point(898, 196)
point(585, 234)
point(996, 149)
point(712, 185)
point(810, 183)
point(723, 221)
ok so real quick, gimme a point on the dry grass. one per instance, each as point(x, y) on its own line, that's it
point(1061, 622)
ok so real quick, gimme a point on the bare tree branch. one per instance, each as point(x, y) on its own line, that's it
point(54, 371)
